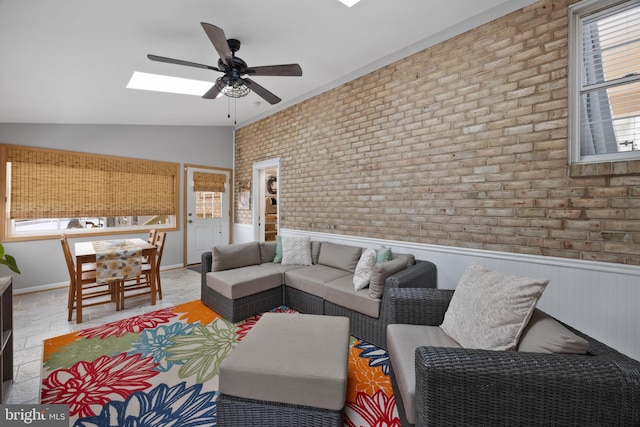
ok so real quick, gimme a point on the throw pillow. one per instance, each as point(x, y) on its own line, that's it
point(383, 255)
point(381, 271)
point(278, 257)
point(489, 310)
point(364, 269)
point(544, 334)
point(296, 251)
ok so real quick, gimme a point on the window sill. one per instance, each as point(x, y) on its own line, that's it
point(618, 168)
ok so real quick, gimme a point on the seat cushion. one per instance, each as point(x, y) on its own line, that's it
point(244, 281)
point(342, 293)
point(311, 279)
point(299, 359)
point(402, 342)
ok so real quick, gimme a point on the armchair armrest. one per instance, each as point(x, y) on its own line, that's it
point(481, 387)
point(418, 306)
point(207, 261)
point(423, 274)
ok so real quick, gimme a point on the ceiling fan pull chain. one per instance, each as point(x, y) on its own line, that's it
point(235, 110)
point(228, 108)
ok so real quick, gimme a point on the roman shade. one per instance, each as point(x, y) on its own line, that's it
point(62, 184)
point(206, 181)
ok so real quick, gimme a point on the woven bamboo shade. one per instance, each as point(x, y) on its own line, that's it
point(205, 181)
point(61, 184)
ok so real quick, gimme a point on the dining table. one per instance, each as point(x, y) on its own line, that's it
point(85, 253)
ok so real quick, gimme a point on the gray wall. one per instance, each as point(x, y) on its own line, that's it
point(41, 261)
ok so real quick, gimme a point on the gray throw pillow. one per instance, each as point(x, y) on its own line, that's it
point(381, 271)
point(544, 334)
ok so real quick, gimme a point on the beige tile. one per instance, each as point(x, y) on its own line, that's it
point(41, 315)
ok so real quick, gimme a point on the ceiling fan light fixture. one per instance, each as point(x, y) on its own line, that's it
point(237, 89)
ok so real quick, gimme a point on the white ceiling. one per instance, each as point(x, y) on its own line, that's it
point(68, 61)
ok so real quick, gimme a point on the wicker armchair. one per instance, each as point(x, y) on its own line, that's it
point(466, 387)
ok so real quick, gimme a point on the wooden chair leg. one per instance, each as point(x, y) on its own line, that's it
point(71, 301)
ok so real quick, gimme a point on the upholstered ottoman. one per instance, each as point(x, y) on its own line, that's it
point(290, 370)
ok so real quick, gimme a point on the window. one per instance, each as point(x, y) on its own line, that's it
point(605, 81)
point(48, 191)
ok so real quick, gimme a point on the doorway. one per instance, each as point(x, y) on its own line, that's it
point(266, 199)
point(207, 206)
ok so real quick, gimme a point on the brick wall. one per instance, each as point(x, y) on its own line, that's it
point(463, 144)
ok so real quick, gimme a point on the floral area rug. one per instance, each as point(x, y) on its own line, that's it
point(161, 369)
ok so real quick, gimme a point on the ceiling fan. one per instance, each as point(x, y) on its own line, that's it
point(232, 83)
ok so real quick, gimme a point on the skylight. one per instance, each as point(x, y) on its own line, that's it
point(349, 2)
point(160, 83)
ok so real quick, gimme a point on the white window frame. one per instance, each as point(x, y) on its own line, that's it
point(576, 13)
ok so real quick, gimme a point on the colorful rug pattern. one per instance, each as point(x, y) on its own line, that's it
point(161, 369)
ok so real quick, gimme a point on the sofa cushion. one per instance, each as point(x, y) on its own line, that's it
point(342, 293)
point(267, 251)
point(409, 258)
point(381, 271)
point(315, 251)
point(245, 281)
point(226, 257)
point(402, 341)
point(311, 279)
point(364, 269)
point(343, 257)
point(489, 309)
point(296, 250)
point(544, 334)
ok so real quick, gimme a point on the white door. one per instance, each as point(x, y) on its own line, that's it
point(208, 216)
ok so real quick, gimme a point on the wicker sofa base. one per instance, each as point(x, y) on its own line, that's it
point(235, 310)
point(302, 301)
point(237, 411)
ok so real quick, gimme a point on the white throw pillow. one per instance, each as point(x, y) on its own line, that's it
point(364, 269)
point(489, 309)
point(296, 250)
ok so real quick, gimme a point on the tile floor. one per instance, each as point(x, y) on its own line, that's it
point(41, 315)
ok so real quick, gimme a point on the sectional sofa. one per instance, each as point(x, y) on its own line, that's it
point(242, 280)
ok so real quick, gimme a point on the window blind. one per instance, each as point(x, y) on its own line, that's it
point(62, 184)
point(610, 88)
point(206, 181)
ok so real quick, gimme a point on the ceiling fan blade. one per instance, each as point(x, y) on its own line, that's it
point(181, 62)
point(219, 40)
point(262, 92)
point(213, 92)
point(276, 70)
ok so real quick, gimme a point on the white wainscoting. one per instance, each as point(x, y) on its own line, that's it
point(600, 299)
point(242, 233)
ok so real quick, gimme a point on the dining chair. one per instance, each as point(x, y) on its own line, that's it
point(151, 239)
point(92, 292)
point(142, 284)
